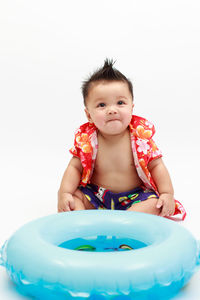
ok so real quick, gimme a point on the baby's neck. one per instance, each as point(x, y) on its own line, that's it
point(113, 139)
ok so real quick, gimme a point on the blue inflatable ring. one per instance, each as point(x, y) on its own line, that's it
point(41, 260)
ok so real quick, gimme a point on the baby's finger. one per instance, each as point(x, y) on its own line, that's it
point(72, 204)
point(169, 211)
point(169, 214)
point(64, 208)
point(67, 207)
point(159, 203)
point(163, 214)
point(166, 212)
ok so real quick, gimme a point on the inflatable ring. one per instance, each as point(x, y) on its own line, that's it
point(134, 255)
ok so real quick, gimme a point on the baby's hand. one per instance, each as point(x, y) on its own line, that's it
point(65, 202)
point(167, 204)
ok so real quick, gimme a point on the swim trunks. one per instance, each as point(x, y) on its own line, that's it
point(103, 198)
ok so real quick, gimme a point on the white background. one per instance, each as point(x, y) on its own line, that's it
point(47, 48)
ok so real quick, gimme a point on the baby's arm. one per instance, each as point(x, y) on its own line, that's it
point(69, 185)
point(164, 185)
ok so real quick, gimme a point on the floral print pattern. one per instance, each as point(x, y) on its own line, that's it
point(143, 147)
point(84, 142)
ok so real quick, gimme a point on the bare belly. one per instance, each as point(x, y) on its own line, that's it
point(114, 166)
point(117, 182)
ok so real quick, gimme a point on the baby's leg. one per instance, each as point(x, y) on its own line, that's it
point(81, 202)
point(147, 206)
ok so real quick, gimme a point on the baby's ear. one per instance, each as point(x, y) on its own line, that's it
point(133, 105)
point(88, 115)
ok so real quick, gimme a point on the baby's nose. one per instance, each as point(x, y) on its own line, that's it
point(112, 110)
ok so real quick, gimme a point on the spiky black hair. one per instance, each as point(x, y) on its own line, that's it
point(107, 72)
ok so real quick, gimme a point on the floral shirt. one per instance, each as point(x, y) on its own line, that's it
point(143, 147)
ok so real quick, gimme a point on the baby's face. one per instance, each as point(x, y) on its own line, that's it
point(109, 106)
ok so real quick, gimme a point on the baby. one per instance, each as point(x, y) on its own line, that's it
point(115, 163)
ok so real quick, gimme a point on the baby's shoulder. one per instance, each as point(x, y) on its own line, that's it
point(137, 120)
point(87, 128)
point(140, 125)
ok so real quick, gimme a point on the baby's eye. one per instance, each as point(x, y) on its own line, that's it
point(120, 102)
point(101, 104)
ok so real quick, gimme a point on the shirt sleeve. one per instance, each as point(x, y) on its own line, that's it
point(74, 151)
point(154, 151)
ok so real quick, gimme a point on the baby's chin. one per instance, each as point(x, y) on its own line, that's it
point(114, 128)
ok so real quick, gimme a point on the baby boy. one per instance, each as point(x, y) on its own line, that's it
point(115, 164)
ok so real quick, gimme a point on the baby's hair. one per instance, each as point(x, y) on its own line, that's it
point(107, 72)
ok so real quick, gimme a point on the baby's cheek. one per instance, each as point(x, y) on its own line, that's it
point(99, 120)
point(127, 116)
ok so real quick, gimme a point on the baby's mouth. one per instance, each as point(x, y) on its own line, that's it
point(110, 120)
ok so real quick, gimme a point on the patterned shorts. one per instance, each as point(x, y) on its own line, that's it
point(102, 198)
